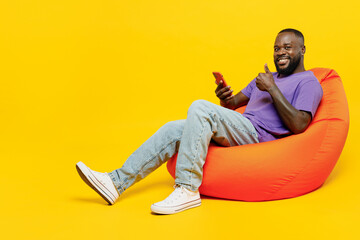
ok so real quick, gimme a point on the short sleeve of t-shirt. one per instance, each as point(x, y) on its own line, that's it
point(308, 96)
point(249, 88)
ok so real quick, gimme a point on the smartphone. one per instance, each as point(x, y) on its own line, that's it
point(219, 77)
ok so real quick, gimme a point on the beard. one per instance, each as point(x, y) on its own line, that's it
point(294, 62)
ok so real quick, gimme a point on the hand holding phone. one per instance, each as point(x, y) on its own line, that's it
point(222, 91)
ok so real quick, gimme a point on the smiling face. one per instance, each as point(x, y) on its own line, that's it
point(289, 53)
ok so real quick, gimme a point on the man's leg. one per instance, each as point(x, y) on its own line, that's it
point(149, 156)
point(205, 122)
point(155, 151)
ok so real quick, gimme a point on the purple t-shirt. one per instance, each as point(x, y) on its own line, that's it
point(302, 90)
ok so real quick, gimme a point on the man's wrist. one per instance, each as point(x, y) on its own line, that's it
point(273, 90)
point(226, 105)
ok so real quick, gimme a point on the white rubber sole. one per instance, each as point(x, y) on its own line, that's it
point(176, 209)
point(88, 177)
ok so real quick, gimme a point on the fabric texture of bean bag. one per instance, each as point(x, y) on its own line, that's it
point(287, 167)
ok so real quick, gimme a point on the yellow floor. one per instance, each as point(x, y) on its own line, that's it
point(44, 198)
point(91, 80)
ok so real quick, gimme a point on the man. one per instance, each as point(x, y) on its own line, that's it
point(278, 104)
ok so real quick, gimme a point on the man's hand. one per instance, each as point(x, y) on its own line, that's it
point(225, 95)
point(265, 81)
point(228, 100)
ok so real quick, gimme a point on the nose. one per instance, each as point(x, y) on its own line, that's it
point(281, 51)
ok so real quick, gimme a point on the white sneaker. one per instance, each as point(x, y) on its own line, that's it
point(100, 182)
point(179, 200)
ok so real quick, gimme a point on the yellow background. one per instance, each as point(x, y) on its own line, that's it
point(91, 80)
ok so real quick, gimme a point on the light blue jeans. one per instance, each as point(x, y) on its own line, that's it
point(189, 138)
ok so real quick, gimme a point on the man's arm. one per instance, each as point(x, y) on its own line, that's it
point(295, 120)
point(230, 101)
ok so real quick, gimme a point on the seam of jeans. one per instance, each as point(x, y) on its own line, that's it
point(196, 151)
point(117, 183)
point(121, 181)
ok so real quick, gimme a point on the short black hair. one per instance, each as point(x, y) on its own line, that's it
point(297, 33)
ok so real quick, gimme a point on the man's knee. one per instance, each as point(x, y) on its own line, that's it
point(200, 106)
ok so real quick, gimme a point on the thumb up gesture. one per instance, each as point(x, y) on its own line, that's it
point(265, 81)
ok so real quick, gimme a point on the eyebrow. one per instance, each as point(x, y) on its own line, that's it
point(283, 44)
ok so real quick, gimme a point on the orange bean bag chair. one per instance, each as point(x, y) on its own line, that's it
point(286, 167)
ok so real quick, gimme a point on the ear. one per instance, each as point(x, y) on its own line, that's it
point(303, 50)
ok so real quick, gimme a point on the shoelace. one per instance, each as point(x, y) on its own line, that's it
point(175, 195)
point(102, 175)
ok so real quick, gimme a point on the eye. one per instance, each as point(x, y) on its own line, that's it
point(287, 47)
point(276, 49)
